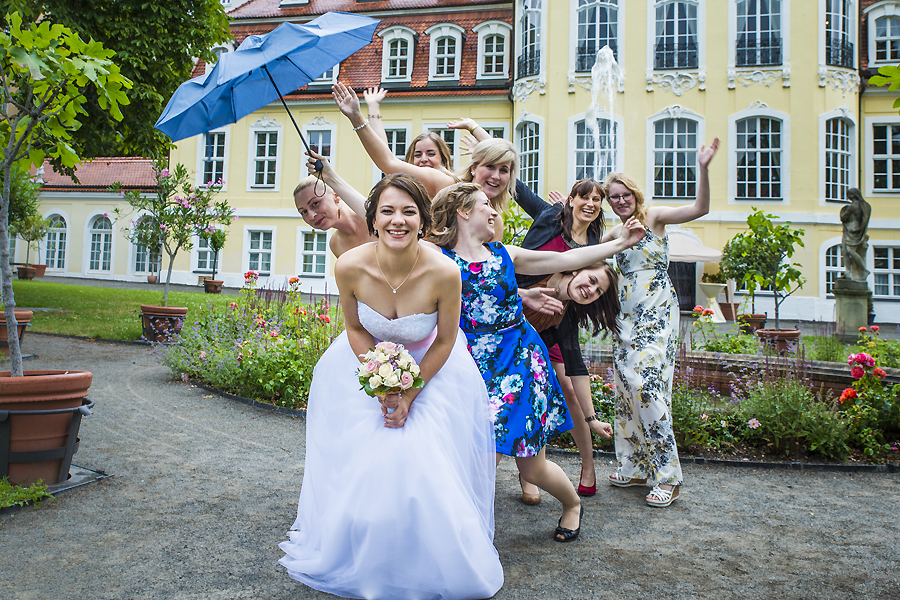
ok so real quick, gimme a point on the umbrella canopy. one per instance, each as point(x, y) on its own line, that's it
point(288, 57)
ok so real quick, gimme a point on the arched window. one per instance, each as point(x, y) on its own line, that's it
point(492, 49)
point(758, 33)
point(887, 39)
point(595, 151)
point(838, 44)
point(55, 257)
point(529, 62)
point(101, 244)
point(529, 155)
point(759, 154)
point(675, 158)
point(837, 158)
point(834, 266)
point(397, 54)
point(147, 260)
point(597, 27)
point(676, 35)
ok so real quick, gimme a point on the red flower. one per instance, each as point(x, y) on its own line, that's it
point(233, 305)
point(707, 312)
point(861, 329)
point(857, 372)
point(698, 308)
point(875, 328)
point(294, 280)
point(880, 372)
point(847, 394)
point(325, 318)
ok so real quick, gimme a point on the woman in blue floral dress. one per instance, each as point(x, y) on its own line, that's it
point(525, 398)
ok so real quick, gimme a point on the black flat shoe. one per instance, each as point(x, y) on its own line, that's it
point(568, 535)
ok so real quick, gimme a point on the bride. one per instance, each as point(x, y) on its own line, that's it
point(398, 504)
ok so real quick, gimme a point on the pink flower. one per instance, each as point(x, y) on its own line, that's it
point(273, 333)
point(386, 346)
point(202, 354)
point(851, 359)
point(879, 372)
point(865, 359)
point(874, 328)
point(698, 308)
point(325, 318)
point(857, 372)
point(753, 423)
point(704, 417)
point(475, 268)
point(371, 367)
point(406, 381)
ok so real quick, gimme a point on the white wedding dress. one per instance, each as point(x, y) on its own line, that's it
point(397, 513)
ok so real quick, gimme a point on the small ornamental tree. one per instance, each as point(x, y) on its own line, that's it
point(745, 254)
point(32, 229)
point(46, 73)
point(176, 213)
point(765, 249)
point(215, 238)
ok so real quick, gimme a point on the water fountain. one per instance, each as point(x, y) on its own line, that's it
point(606, 76)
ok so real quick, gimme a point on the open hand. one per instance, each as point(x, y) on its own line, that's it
point(707, 152)
point(373, 97)
point(555, 197)
point(466, 144)
point(345, 98)
point(632, 232)
point(538, 300)
point(463, 123)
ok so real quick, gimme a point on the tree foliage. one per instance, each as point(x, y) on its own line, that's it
point(45, 71)
point(156, 43)
point(889, 76)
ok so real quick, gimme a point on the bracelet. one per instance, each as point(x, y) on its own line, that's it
point(366, 122)
point(374, 116)
point(593, 417)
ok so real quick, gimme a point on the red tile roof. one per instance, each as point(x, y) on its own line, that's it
point(256, 9)
point(100, 173)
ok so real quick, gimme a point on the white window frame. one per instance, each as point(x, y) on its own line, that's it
point(89, 240)
point(437, 33)
point(652, 41)
point(848, 118)
point(65, 243)
point(760, 110)
point(377, 174)
point(734, 33)
point(264, 125)
point(540, 46)
point(439, 128)
point(303, 231)
point(851, 35)
point(575, 25)
point(319, 124)
point(224, 48)
point(879, 10)
point(485, 30)
point(195, 256)
point(135, 248)
point(245, 256)
point(526, 119)
point(388, 35)
point(869, 156)
point(324, 80)
point(893, 274)
point(572, 143)
point(675, 112)
point(200, 171)
point(825, 269)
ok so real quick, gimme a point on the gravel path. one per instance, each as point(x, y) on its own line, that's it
point(204, 488)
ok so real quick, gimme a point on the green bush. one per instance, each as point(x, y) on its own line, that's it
point(16, 495)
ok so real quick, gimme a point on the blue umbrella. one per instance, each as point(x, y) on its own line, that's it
point(288, 57)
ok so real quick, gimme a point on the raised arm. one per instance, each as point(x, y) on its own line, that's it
point(373, 97)
point(660, 216)
point(529, 201)
point(472, 127)
point(378, 150)
point(355, 200)
point(536, 262)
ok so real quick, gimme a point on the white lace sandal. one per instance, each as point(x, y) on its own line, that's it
point(618, 480)
point(661, 498)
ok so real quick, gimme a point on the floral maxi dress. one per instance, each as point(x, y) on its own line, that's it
point(526, 402)
point(644, 364)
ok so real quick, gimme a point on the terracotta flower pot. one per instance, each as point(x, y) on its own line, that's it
point(26, 271)
point(39, 270)
point(55, 436)
point(151, 278)
point(782, 340)
point(162, 323)
point(23, 318)
point(752, 322)
point(213, 286)
point(729, 310)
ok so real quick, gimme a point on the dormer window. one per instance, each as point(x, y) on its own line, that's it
point(397, 54)
point(493, 54)
point(445, 52)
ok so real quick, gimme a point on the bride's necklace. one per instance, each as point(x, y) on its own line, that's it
point(559, 283)
point(394, 289)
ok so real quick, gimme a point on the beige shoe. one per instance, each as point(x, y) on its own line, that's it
point(661, 498)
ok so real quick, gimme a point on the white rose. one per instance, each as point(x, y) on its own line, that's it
point(385, 370)
point(375, 381)
point(414, 369)
point(392, 381)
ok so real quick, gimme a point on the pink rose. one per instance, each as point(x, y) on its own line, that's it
point(880, 372)
point(386, 346)
point(857, 372)
point(874, 328)
point(406, 381)
point(851, 359)
point(371, 367)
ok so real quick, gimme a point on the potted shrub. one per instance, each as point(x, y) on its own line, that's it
point(32, 229)
point(744, 254)
point(778, 273)
point(48, 73)
point(173, 215)
point(215, 238)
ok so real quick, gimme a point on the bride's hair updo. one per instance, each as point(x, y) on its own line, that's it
point(407, 184)
point(447, 205)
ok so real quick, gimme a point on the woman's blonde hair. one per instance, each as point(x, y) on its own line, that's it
point(308, 181)
point(443, 151)
point(445, 209)
point(495, 151)
point(640, 211)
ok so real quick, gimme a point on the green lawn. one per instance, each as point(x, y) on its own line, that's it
point(99, 312)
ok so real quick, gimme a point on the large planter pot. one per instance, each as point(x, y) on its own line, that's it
point(752, 322)
point(213, 286)
point(40, 415)
point(39, 270)
point(26, 271)
point(162, 323)
point(151, 278)
point(782, 340)
point(23, 318)
point(729, 310)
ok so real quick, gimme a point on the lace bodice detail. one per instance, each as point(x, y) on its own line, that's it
point(403, 330)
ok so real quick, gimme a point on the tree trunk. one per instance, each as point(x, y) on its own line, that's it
point(215, 262)
point(9, 301)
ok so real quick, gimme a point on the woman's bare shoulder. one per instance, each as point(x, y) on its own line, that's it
point(354, 258)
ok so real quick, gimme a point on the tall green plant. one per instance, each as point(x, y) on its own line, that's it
point(32, 229)
point(215, 238)
point(46, 72)
point(176, 213)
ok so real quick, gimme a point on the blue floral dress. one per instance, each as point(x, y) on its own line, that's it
point(527, 404)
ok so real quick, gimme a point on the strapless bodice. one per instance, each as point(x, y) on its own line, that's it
point(403, 330)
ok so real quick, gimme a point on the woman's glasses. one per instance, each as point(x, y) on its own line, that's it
point(622, 197)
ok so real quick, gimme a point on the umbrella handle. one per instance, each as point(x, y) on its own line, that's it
point(318, 165)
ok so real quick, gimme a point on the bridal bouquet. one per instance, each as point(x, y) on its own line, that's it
point(388, 368)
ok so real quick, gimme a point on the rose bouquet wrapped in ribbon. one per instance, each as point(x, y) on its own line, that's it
point(388, 368)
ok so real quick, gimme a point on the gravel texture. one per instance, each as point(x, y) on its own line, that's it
point(203, 488)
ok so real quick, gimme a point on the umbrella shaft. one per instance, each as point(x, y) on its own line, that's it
point(280, 97)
